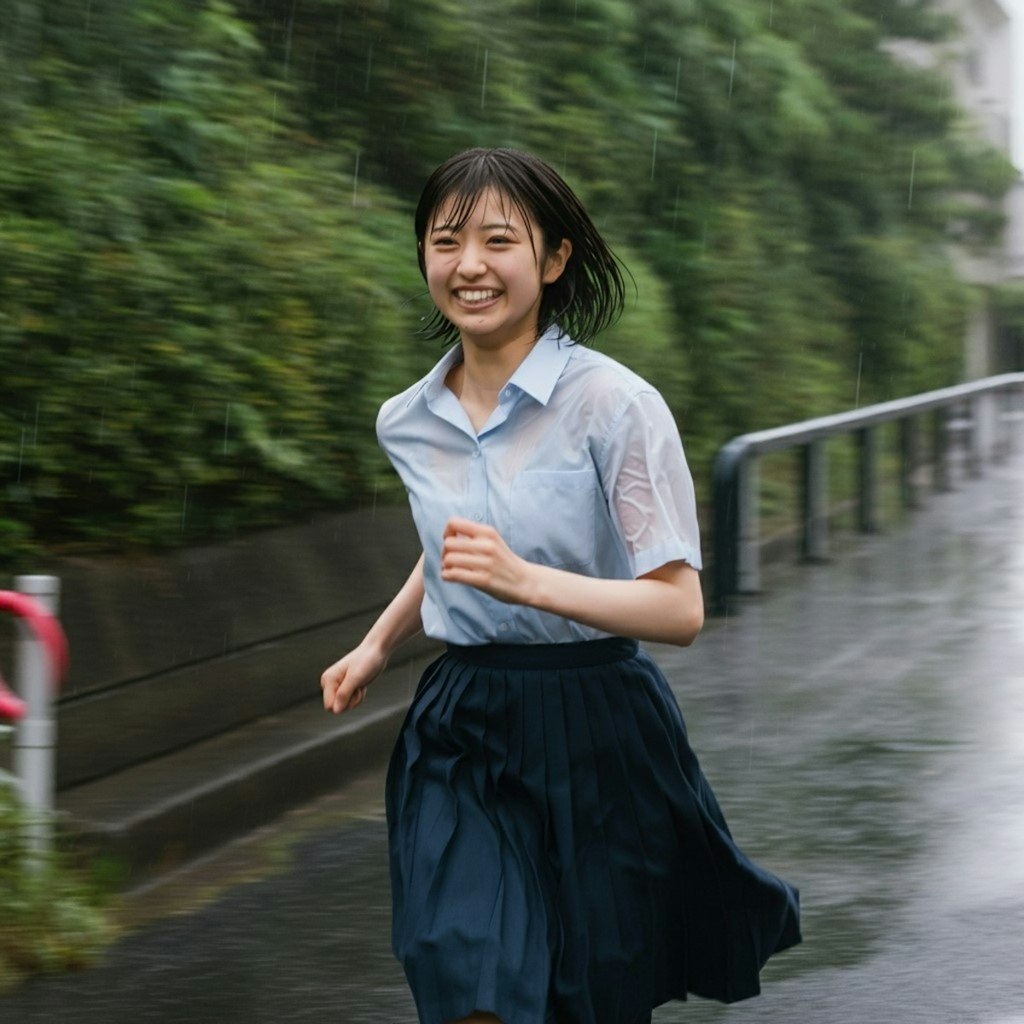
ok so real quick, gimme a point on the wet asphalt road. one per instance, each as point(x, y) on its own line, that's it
point(863, 726)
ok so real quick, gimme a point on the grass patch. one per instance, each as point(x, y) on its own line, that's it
point(52, 914)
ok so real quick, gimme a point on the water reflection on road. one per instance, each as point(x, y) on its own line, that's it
point(863, 725)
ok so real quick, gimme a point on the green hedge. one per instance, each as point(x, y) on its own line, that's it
point(207, 274)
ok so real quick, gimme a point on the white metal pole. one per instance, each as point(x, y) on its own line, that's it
point(35, 738)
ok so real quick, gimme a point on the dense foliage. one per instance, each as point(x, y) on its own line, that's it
point(207, 281)
point(50, 917)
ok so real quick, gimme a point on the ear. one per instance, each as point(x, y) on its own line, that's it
point(556, 261)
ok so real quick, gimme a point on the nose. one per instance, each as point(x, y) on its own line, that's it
point(471, 262)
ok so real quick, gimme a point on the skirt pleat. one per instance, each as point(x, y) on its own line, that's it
point(556, 852)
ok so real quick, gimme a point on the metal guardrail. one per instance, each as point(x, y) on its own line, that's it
point(989, 414)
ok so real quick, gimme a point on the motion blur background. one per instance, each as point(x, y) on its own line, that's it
point(207, 272)
point(208, 284)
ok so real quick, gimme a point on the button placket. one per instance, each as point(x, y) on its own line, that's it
point(477, 492)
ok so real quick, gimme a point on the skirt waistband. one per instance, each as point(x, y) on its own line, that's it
point(581, 654)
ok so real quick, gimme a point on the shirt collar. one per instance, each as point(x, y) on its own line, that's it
point(537, 374)
point(433, 383)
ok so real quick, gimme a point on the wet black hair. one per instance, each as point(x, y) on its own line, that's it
point(589, 295)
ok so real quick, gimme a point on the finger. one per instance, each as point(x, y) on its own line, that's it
point(472, 576)
point(330, 695)
point(330, 681)
point(462, 548)
point(484, 543)
point(475, 563)
point(346, 701)
point(467, 527)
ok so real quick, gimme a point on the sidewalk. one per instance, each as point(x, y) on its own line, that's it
point(861, 723)
point(159, 814)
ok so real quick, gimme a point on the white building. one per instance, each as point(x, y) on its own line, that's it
point(982, 69)
point(981, 62)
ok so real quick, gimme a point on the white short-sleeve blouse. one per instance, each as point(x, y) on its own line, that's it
point(580, 466)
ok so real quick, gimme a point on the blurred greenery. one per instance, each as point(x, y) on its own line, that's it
point(51, 917)
point(207, 273)
point(1010, 302)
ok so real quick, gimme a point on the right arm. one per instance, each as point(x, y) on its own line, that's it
point(344, 683)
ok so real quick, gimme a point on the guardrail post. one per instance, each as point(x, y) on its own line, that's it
point(724, 530)
point(867, 489)
point(1010, 418)
point(726, 474)
point(35, 738)
point(908, 462)
point(815, 501)
point(940, 446)
point(748, 555)
point(983, 431)
point(1003, 444)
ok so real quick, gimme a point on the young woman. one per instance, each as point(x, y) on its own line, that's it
point(556, 853)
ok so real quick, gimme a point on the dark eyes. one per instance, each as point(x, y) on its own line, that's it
point(446, 241)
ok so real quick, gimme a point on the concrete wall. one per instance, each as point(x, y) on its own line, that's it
point(169, 650)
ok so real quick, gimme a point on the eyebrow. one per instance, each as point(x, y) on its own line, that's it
point(498, 226)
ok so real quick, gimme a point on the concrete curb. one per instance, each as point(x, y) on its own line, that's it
point(156, 816)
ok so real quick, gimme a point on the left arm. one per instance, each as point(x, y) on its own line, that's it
point(664, 605)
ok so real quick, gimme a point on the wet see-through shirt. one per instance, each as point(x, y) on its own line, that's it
point(580, 467)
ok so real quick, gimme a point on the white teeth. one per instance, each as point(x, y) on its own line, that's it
point(477, 296)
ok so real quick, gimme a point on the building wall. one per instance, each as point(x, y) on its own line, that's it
point(981, 341)
point(1015, 234)
point(981, 64)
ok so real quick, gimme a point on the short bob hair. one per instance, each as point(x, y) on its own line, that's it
point(589, 295)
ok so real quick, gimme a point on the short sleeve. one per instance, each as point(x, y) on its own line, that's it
point(648, 486)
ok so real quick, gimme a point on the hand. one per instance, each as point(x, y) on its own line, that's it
point(344, 683)
point(475, 554)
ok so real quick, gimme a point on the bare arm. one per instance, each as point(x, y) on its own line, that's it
point(344, 683)
point(665, 605)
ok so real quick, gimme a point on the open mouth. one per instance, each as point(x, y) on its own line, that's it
point(476, 296)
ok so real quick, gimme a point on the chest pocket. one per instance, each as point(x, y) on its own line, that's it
point(553, 517)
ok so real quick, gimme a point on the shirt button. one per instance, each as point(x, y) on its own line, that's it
point(502, 627)
point(478, 516)
point(476, 453)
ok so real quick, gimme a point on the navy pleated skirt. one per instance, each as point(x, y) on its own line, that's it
point(556, 852)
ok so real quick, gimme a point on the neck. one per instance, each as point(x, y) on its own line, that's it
point(488, 370)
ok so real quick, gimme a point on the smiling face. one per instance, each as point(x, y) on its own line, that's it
point(486, 272)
